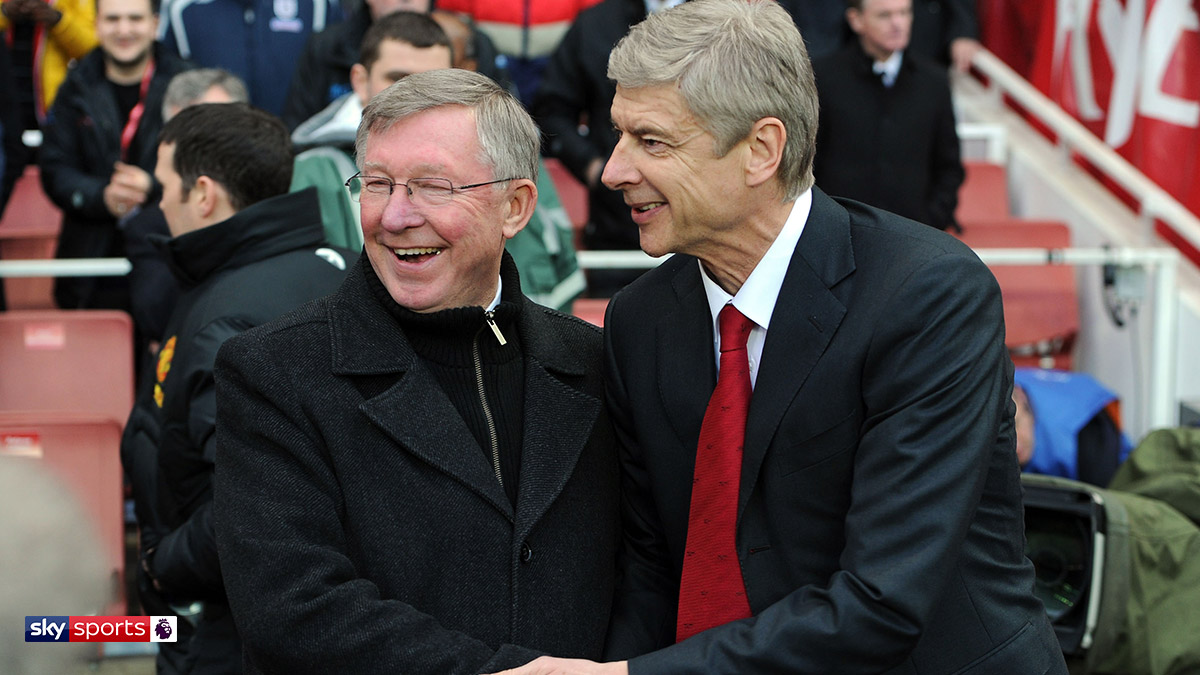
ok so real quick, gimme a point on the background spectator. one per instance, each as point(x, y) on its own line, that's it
point(887, 132)
point(99, 144)
point(526, 32)
point(46, 38)
point(260, 41)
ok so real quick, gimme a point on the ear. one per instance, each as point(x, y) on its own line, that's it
point(522, 199)
point(765, 145)
point(854, 18)
point(358, 81)
point(212, 200)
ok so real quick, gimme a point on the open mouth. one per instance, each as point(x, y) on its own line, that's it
point(416, 255)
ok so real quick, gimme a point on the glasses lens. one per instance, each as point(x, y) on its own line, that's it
point(431, 191)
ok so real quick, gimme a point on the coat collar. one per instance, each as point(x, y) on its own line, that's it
point(416, 413)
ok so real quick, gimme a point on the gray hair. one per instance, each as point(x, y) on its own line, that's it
point(507, 134)
point(187, 87)
point(734, 62)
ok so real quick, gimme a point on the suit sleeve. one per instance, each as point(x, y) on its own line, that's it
point(299, 601)
point(643, 616)
point(933, 383)
point(946, 166)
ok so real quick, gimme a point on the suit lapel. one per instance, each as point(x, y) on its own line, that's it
point(684, 340)
point(806, 316)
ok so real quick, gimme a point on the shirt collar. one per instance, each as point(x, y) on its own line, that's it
point(756, 298)
point(889, 67)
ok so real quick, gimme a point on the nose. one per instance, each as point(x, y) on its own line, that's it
point(399, 213)
point(619, 171)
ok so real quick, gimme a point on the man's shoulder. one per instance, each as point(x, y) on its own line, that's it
point(296, 331)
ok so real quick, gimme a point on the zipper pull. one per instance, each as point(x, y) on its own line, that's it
point(488, 317)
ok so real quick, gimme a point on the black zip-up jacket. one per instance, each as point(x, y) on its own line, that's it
point(264, 261)
point(81, 142)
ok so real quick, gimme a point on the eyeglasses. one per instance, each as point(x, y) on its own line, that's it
point(421, 191)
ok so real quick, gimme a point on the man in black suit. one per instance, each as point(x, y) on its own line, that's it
point(874, 519)
point(887, 131)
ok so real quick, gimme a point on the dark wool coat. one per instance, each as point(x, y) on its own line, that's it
point(360, 526)
point(893, 148)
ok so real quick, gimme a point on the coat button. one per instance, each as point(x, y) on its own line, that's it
point(526, 552)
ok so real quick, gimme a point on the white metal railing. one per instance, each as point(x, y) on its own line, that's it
point(1159, 412)
point(1152, 201)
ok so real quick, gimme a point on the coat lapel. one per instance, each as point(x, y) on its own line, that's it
point(414, 411)
point(558, 424)
point(806, 316)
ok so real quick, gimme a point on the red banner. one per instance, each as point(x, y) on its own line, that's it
point(1129, 70)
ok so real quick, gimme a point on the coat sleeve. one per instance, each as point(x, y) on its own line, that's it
point(935, 381)
point(68, 183)
point(561, 99)
point(946, 167)
point(304, 96)
point(300, 602)
point(75, 32)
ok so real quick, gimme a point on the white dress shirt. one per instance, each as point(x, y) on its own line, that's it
point(756, 298)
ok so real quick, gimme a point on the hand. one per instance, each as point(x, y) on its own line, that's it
point(962, 50)
point(30, 10)
point(133, 177)
point(550, 665)
point(595, 169)
point(128, 187)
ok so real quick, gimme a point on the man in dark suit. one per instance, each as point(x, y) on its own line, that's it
point(869, 514)
point(887, 130)
point(417, 473)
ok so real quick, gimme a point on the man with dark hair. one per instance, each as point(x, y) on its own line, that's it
point(887, 132)
point(99, 143)
point(416, 474)
point(245, 251)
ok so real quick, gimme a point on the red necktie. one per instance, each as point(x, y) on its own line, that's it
point(711, 590)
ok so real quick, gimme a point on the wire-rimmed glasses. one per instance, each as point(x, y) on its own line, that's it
point(421, 191)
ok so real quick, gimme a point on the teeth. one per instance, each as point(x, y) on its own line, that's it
point(647, 207)
point(416, 251)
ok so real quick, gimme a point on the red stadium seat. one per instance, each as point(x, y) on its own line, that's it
point(590, 309)
point(66, 389)
point(83, 451)
point(983, 196)
point(29, 231)
point(572, 193)
point(1041, 308)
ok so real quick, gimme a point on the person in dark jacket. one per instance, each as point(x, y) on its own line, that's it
point(416, 474)
point(99, 143)
point(887, 131)
point(244, 251)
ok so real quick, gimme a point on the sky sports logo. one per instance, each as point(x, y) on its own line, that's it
point(100, 628)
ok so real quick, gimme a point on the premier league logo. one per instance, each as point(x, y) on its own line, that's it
point(163, 629)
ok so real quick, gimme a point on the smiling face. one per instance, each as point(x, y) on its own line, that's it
point(125, 29)
point(679, 192)
point(883, 26)
point(439, 257)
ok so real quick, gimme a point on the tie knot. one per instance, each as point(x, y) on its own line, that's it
point(735, 328)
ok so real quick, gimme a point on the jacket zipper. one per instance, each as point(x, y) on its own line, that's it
point(489, 318)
